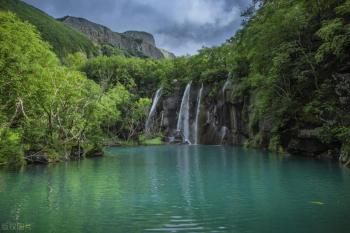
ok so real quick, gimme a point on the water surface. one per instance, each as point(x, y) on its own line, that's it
point(179, 189)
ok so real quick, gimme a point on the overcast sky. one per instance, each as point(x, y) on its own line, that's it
point(180, 26)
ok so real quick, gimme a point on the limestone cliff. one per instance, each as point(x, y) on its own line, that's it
point(140, 43)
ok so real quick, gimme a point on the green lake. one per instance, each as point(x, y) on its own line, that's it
point(178, 189)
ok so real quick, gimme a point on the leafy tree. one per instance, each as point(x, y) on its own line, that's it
point(76, 60)
point(44, 106)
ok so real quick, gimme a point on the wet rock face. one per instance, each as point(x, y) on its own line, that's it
point(209, 121)
point(134, 41)
point(306, 142)
point(219, 121)
point(239, 116)
point(225, 121)
point(170, 106)
point(310, 147)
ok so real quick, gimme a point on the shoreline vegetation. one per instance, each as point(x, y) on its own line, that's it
point(291, 59)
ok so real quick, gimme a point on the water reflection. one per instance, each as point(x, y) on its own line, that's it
point(183, 166)
point(179, 188)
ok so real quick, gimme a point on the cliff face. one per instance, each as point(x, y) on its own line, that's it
point(144, 36)
point(221, 121)
point(167, 54)
point(136, 42)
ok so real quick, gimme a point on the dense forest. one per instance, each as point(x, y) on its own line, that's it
point(288, 64)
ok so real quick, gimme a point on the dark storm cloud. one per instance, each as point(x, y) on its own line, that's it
point(181, 26)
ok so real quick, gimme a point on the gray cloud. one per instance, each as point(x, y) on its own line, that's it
point(181, 26)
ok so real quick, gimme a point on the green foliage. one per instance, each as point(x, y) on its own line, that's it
point(275, 145)
point(110, 51)
point(16, 64)
point(336, 38)
point(284, 66)
point(151, 142)
point(110, 106)
point(75, 60)
point(141, 76)
point(288, 72)
point(63, 39)
point(343, 9)
point(108, 71)
point(11, 152)
point(135, 115)
point(44, 106)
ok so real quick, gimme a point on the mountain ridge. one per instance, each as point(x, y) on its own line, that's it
point(139, 42)
point(63, 39)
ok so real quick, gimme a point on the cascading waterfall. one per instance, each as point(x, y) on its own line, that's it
point(199, 98)
point(183, 124)
point(208, 117)
point(223, 132)
point(150, 119)
point(228, 82)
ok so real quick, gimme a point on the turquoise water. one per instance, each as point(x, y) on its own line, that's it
point(178, 189)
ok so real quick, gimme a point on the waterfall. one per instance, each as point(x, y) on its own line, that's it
point(183, 124)
point(228, 82)
point(162, 119)
point(208, 117)
point(223, 132)
point(197, 115)
point(150, 120)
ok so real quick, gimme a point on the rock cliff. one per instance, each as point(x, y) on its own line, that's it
point(223, 121)
point(135, 42)
point(143, 36)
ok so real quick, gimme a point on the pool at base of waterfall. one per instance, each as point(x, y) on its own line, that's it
point(178, 188)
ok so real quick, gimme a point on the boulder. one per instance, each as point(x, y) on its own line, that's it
point(77, 152)
point(96, 152)
point(306, 146)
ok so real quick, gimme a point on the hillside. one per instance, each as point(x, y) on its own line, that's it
point(63, 39)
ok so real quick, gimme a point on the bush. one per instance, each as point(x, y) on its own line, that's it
point(11, 152)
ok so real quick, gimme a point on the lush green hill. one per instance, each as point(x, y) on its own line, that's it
point(63, 39)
